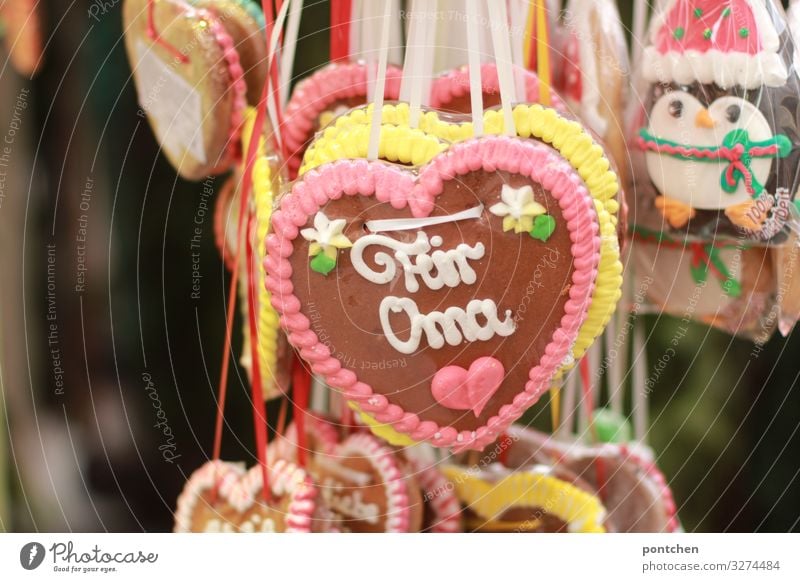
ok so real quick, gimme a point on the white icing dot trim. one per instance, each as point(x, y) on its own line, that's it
point(723, 69)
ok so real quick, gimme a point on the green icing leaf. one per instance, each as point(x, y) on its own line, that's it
point(543, 227)
point(732, 288)
point(323, 264)
point(699, 273)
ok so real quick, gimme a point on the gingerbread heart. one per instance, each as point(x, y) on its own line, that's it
point(434, 270)
point(363, 482)
point(634, 491)
point(238, 504)
point(319, 98)
point(189, 81)
point(348, 138)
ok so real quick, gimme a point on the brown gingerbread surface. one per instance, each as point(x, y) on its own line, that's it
point(529, 277)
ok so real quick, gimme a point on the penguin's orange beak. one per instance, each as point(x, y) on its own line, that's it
point(703, 119)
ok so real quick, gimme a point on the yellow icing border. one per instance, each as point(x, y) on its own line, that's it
point(581, 511)
point(384, 431)
point(348, 137)
point(267, 322)
point(399, 144)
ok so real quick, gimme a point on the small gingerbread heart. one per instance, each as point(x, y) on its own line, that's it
point(237, 505)
point(364, 482)
point(317, 99)
point(189, 81)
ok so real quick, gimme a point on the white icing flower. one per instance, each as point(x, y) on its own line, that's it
point(517, 208)
point(326, 236)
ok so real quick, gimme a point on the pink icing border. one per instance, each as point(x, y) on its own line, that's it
point(398, 187)
point(398, 518)
point(455, 84)
point(315, 94)
point(236, 72)
point(239, 487)
point(652, 471)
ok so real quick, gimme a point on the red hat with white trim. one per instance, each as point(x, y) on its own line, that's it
point(724, 42)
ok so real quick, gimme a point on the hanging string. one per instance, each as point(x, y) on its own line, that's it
point(260, 426)
point(474, 56)
point(280, 426)
point(380, 83)
point(639, 383)
point(640, 10)
point(355, 39)
point(567, 419)
point(529, 43)
point(289, 49)
point(588, 405)
point(517, 53)
point(543, 53)
point(555, 408)
point(301, 387)
point(246, 187)
point(498, 21)
point(274, 30)
point(156, 37)
point(340, 30)
point(411, 83)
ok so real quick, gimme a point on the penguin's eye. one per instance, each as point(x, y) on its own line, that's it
point(733, 112)
point(676, 108)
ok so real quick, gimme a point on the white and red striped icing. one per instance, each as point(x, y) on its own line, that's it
point(317, 93)
point(439, 494)
point(400, 188)
point(386, 464)
point(241, 489)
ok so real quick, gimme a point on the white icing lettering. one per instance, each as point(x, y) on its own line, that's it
point(436, 270)
point(253, 525)
point(452, 326)
point(352, 505)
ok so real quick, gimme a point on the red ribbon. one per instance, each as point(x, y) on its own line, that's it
point(301, 382)
point(156, 37)
point(244, 242)
point(256, 389)
point(341, 14)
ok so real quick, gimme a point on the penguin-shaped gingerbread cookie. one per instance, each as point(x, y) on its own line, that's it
point(719, 127)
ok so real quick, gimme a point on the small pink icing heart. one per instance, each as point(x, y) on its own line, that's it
point(460, 389)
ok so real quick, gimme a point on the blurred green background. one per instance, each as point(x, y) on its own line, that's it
point(725, 432)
